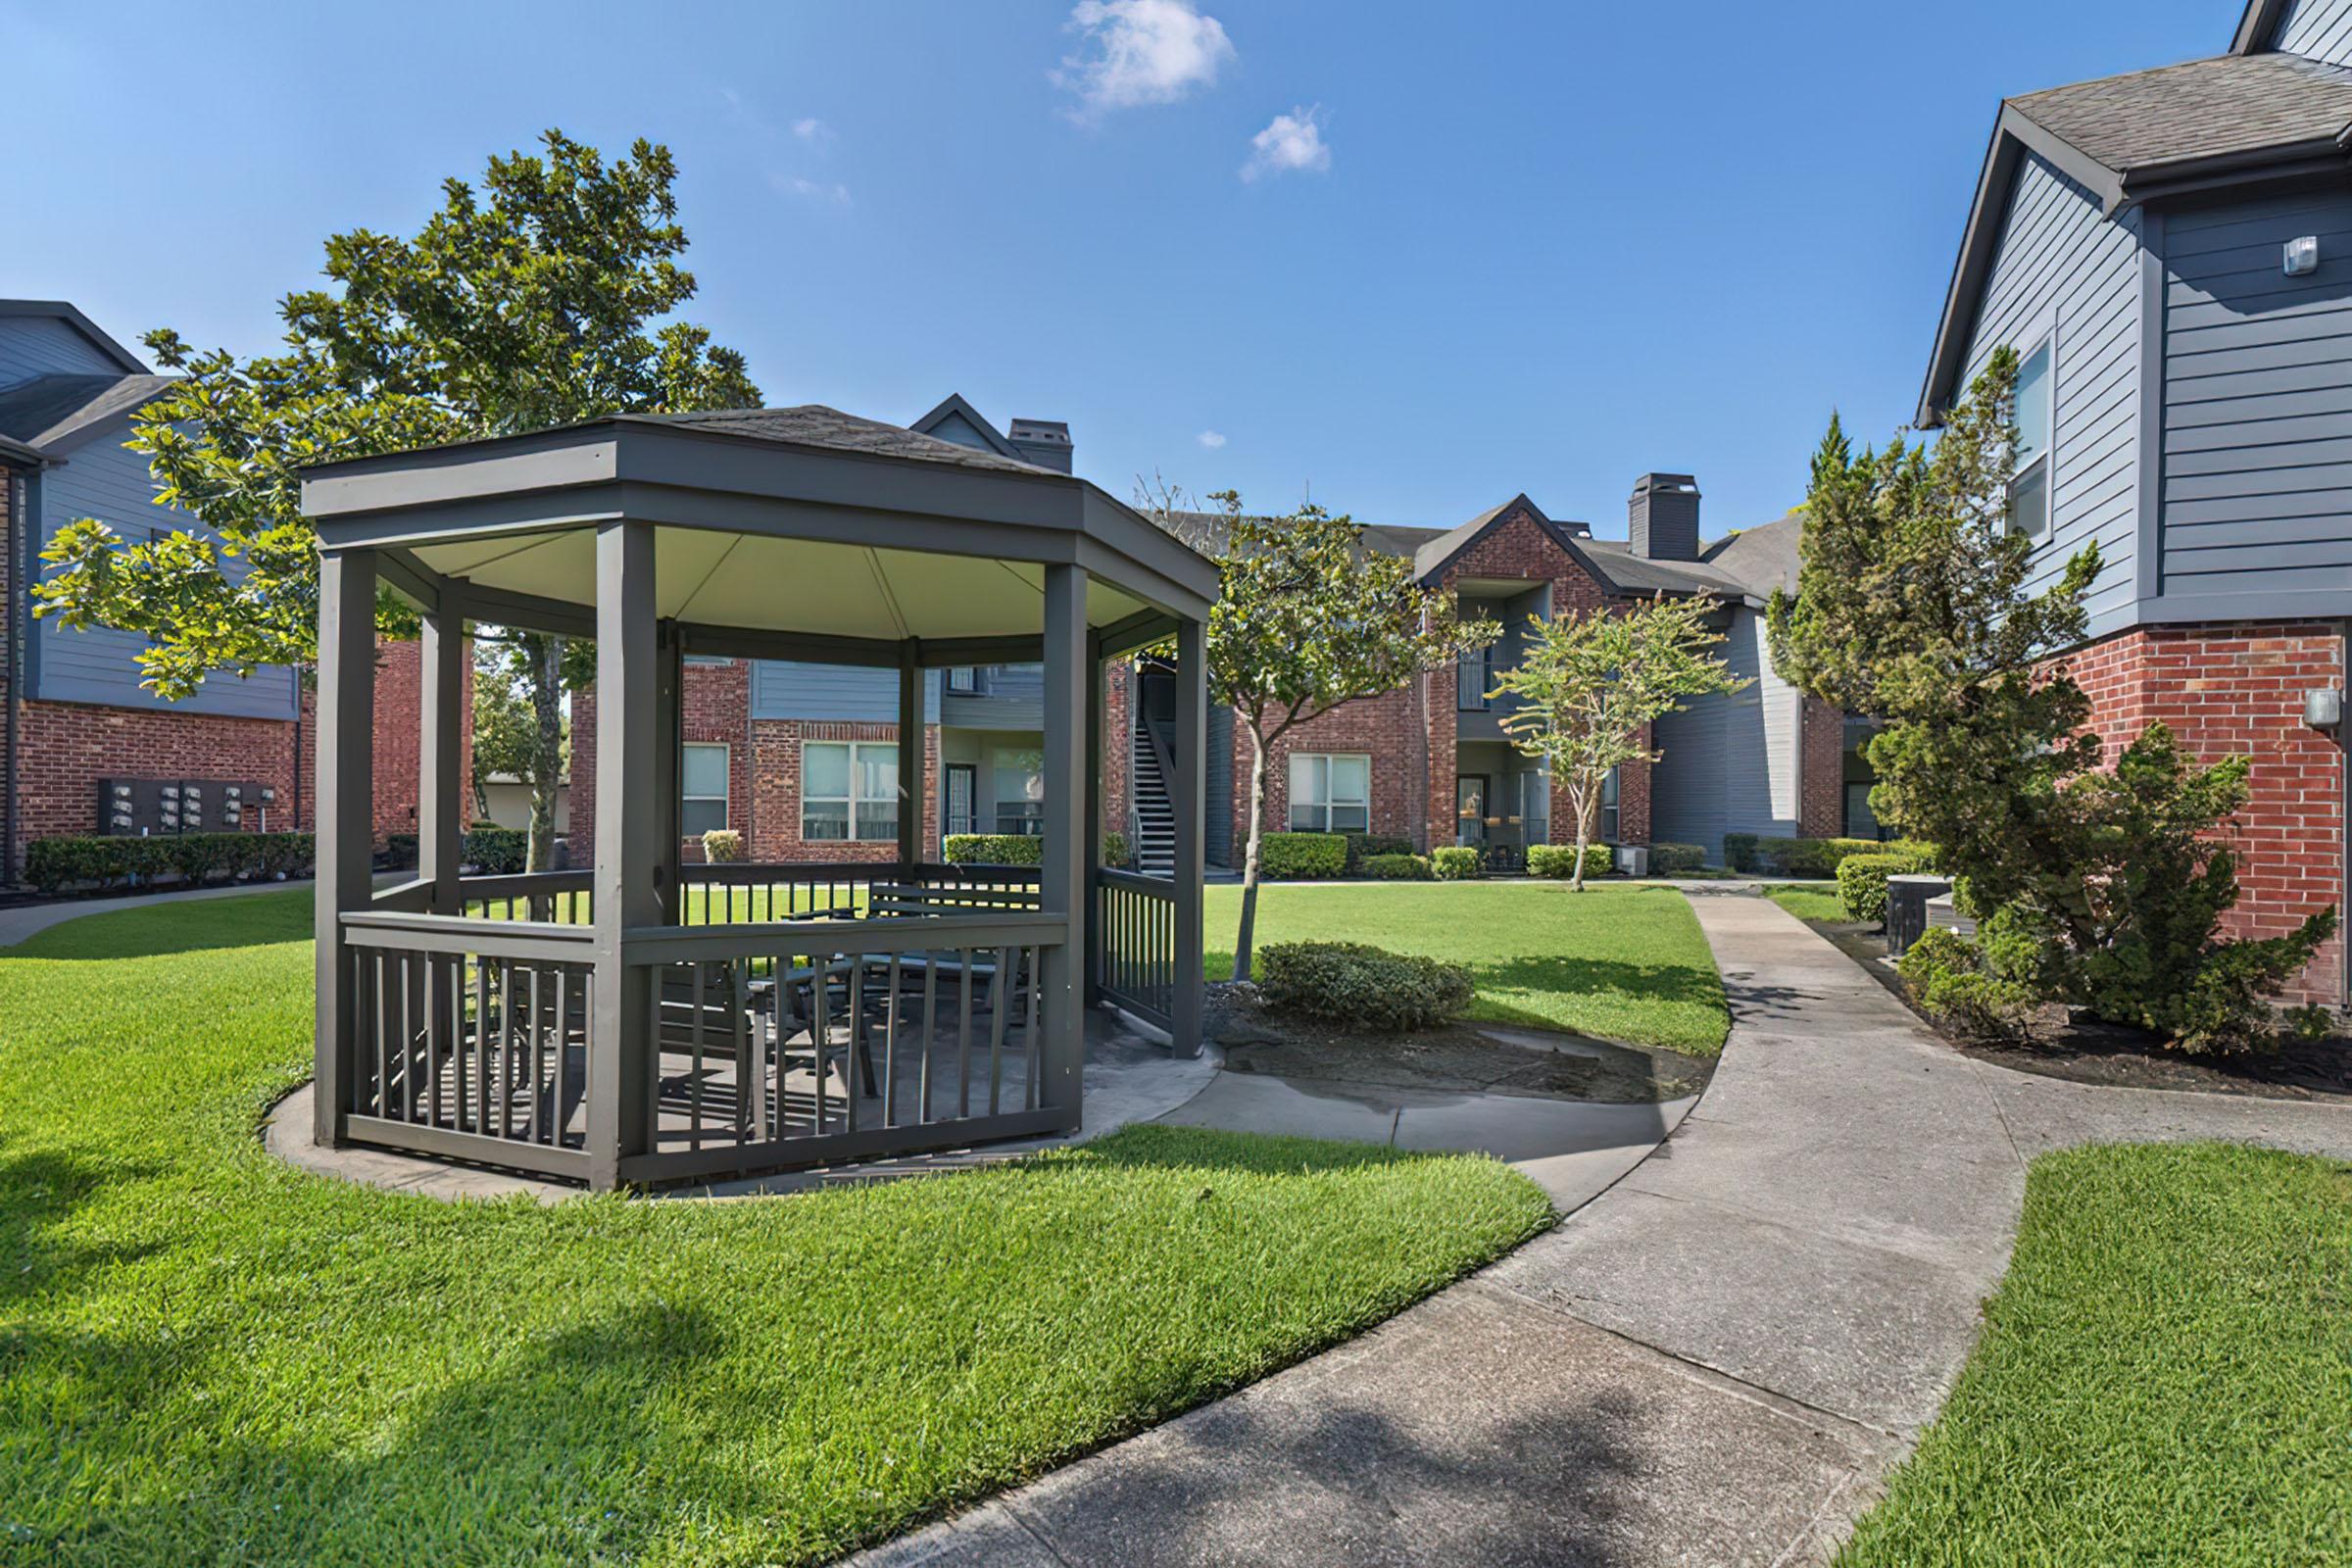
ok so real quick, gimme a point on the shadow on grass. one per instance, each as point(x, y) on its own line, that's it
point(263, 918)
point(39, 1194)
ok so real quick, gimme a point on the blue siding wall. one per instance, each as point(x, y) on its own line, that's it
point(105, 480)
point(1727, 764)
point(2258, 403)
point(2063, 267)
point(44, 345)
point(837, 692)
point(1016, 699)
point(1216, 836)
point(2320, 29)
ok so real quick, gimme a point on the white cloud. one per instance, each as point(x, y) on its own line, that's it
point(1141, 52)
point(1293, 144)
point(1211, 439)
point(814, 131)
point(816, 190)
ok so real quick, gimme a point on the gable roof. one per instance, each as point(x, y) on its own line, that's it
point(812, 425)
point(55, 413)
point(2139, 136)
point(952, 407)
point(1433, 555)
point(59, 309)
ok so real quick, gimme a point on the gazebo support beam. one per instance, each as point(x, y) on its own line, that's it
point(344, 821)
point(1092, 979)
point(1187, 796)
point(1062, 887)
point(631, 820)
point(440, 822)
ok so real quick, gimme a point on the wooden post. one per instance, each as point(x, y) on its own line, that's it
point(1187, 796)
point(345, 793)
point(913, 787)
point(441, 705)
point(670, 723)
point(1095, 730)
point(630, 860)
point(1062, 889)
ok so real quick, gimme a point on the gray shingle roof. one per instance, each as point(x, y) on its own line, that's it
point(52, 413)
point(812, 425)
point(1760, 558)
point(2205, 108)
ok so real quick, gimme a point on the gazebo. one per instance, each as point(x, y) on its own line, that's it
point(647, 1020)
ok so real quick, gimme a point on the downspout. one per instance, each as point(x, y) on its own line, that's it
point(20, 595)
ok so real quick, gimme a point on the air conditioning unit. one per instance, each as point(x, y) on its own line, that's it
point(1634, 859)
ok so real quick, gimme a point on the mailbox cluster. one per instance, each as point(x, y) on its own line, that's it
point(145, 806)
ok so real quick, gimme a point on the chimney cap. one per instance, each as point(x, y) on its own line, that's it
point(1038, 430)
point(1651, 483)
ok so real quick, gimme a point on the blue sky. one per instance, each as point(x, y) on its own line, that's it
point(1416, 257)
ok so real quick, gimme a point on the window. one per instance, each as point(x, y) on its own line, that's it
point(702, 789)
point(1474, 676)
point(1330, 794)
point(848, 792)
point(1606, 826)
point(2030, 491)
point(964, 678)
point(1020, 790)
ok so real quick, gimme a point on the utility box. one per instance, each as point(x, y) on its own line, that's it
point(139, 807)
point(1634, 859)
point(1907, 908)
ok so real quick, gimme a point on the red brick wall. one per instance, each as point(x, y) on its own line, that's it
point(716, 708)
point(1821, 770)
point(1382, 726)
point(69, 746)
point(777, 789)
point(2239, 690)
point(1118, 709)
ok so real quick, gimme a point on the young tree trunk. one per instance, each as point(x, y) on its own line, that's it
point(547, 761)
point(1583, 837)
point(1249, 860)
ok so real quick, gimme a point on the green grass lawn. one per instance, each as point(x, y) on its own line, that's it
point(207, 1356)
point(1808, 901)
point(2163, 1377)
point(1624, 962)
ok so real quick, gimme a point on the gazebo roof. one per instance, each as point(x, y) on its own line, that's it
point(803, 521)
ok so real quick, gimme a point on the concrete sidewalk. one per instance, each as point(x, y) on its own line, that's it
point(1713, 1362)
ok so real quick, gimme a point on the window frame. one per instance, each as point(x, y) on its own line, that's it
point(1474, 699)
point(725, 799)
point(2037, 474)
point(853, 818)
point(1323, 808)
point(964, 680)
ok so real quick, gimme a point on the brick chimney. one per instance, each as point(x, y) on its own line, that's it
point(1662, 518)
point(1044, 442)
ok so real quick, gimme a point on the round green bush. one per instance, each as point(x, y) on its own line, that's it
point(1558, 861)
point(1862, 881)
point(1455, 862)
point(1673, 860)
point(993, 848)
point(1350, 983)
point(1289, 857)
point(1398, 867)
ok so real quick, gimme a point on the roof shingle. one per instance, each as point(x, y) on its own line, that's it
point(2204, 109)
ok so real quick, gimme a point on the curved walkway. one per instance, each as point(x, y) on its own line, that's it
point(1714, 1361)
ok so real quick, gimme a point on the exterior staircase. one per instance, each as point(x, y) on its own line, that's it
point(1153, 816)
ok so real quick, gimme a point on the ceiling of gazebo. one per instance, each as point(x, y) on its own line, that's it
point(803, 585)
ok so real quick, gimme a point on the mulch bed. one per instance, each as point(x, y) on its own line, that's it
point(1460, 1057)
point(2090, 1051)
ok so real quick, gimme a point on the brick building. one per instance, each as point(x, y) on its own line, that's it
point(2163, 250)
point(72, 710)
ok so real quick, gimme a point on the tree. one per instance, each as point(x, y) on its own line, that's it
point(526, 304)
point(2103, 889)
point(1590, 685)
point(511, 723)
point(1308, 619)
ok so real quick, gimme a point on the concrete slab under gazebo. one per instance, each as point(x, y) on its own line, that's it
point(648, 1021)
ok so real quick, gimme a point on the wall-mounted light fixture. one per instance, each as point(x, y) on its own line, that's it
point(2324, 709)
point(2303, 256)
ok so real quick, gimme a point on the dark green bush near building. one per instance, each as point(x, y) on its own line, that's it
point(1114, 848)
point(1362, 846)
point(1350, 983)
point(494, 851)
point(993, 848)
point(1739, 851)
point(1456, 862)
point(101, 862)
point(1558, 861)
point(1398, 867)
point(1299, 857)
point(1862, 881)
point(1947, 975)
point(1673, 860)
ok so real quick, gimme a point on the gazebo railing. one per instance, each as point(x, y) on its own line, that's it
point(1135, 923)
point(803, 1043)
point(473, 1038)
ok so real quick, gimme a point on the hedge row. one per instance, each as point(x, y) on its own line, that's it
point(1862, 881)
point(1748, 852)
point(1398, 867)
point(1017, 849)
point(491, 850)
point(1294, 857)
point(102, 862)
point(1558, 861)
point(1672, 860)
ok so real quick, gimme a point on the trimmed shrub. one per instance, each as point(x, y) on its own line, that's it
point(1114, 848)
point(1739, 851)
point(1558, 861)
point(400, 852)
point(722, 844)
point(1822, 857)
point(1947, 976)
point(1456, 862)
point(1349, 982)
point(993, 848)
point(498, 851)
point(1293, 857)
point(1398, 867)
point(1671, 860)
point(1363, 846)
point(1862, 881)
point(54, 863)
